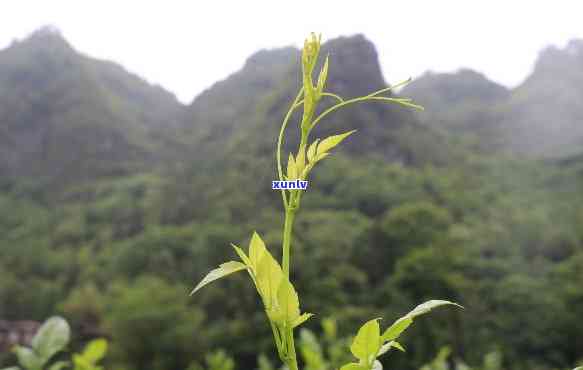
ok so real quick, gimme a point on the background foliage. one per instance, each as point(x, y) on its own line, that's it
point(115, 199)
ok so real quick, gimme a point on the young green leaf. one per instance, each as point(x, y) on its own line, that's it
point(322, 77)
point(223, 270)
point(320, 156)
point(52, 337)
point(256, 250)
point(289, 302)
point(81, 363)
point(300, 161)
point(424, 308)
point(269, 277)
point(242, 255)
point(399, 326)
point(330, 142)
point(367, 342)
point(312, 150)
point(95, 350)
point(303, 318)
point(353, 366)
point(59, 365)
point(390, 345)
point(28, 359)
point(291, 172)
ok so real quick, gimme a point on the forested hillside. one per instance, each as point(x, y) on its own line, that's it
point(115, 199)
point(68, 118)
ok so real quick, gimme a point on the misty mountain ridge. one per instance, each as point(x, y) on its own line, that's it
point(540, 118)
point(68, 117)
point(243, 112)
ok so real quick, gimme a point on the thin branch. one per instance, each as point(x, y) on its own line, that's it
point(337, 97)
point(400, 84)
point(404, 102)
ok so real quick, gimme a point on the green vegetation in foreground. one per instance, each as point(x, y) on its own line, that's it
point(49, 342)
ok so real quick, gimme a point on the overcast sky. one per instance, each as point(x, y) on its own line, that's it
point(185, 46)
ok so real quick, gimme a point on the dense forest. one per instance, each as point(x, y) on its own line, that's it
point(115, 199)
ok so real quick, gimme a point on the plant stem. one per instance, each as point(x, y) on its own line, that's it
point(371, 97)
point(276, 337)
point(290, 213)
point(292, 362)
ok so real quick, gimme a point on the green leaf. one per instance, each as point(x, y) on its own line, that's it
point(288, 301)
point(52, 337)
point(301, 161)
point(367, 342)
point(390, 345)
point(323, 76)
point(399, 326)
point(223, 270)
point(28, 359)
point(242, 255)
point(330, 142)
point(377, 365)
point(59, 365)
point(578, 368)
point(269, 277)
point(11, 368)
point(291, 172)
point(256, 250)
point(303, 318)
point(353, 366)
point(321, 156)
point(430, 305)
point(95, 350)
point(312, 150)
point(81, 363)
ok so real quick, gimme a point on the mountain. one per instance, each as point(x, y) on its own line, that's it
point(243, 113)
point(539, 118)
point(544, 115)
point(67, 117)
point(232, 129)
point(146, 195)
point(225, 108)
point(455, 100)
